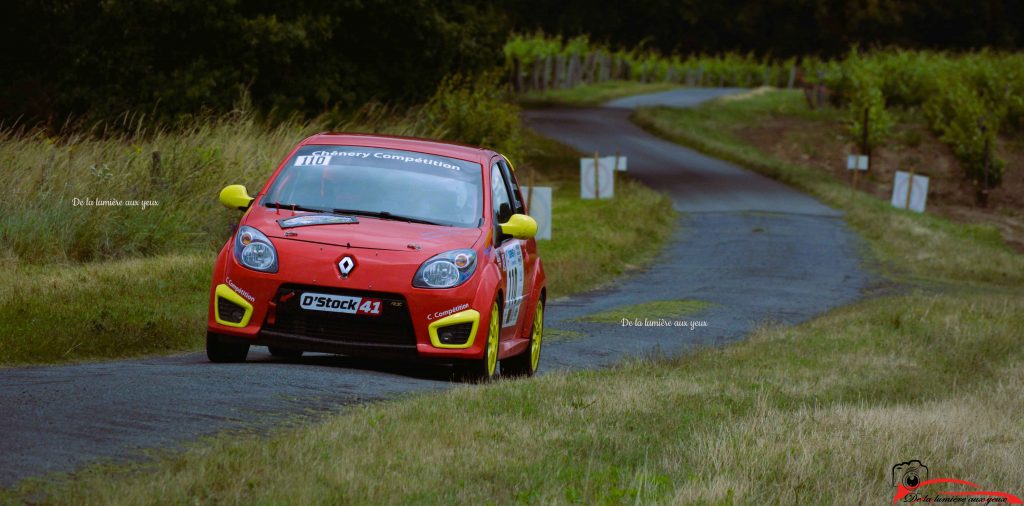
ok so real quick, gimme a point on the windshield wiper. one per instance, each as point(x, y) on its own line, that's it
point(384, 215)
point(293, 207)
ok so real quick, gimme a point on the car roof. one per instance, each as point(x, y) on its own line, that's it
point(432, 147)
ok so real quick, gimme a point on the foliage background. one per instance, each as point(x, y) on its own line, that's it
point(96, 59)
point(177, 58)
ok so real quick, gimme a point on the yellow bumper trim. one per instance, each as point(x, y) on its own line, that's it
point(467, 316)
point(225, 292)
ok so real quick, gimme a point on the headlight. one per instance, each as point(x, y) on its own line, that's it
point(254, 250)
point(447, 270)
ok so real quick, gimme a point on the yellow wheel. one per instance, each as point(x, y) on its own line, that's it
point(486, 367)
point(526, 363)
point(537, 337)
point(491, 354)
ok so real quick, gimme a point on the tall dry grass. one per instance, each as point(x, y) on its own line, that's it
point(181, 170)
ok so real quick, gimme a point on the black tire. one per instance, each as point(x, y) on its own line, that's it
point(222, 352)
point(284, 352)
point(486, 368)
point(526, 363)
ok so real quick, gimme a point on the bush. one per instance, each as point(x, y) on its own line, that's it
point(646, 65)
point(969, 123)
point(474, 110)
point(968, 99)
point(861, 91)
point(908, 78)
point(176, 59)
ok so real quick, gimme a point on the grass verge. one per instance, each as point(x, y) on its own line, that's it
point(58, 313)
point(591, 94)
point(653, 310)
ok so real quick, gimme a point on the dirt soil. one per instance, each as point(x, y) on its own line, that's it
point(823, 144)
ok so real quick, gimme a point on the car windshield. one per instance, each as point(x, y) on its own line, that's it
point(383, 183)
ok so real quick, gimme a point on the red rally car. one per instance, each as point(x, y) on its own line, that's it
point(383, 246)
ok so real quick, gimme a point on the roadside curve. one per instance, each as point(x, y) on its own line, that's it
point(696, 182)
point(759, 251)
point(756, 250)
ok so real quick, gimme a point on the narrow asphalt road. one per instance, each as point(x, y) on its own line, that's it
point(759, 251)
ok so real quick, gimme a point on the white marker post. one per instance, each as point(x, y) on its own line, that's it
point(856, 163)
point(538, 204)
point(597, 178)
point(909, 191)
point(617, 162)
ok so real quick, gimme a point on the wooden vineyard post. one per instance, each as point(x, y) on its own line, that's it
point(615, 170)
point(155, 170)
point(982, 195)
point(517, 75)
point(865, 148)
point(529, 193)
point(910, 188)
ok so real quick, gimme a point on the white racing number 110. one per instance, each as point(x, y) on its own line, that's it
point(513, 263)
point(312, 160)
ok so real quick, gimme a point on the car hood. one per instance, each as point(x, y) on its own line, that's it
point(366, 233)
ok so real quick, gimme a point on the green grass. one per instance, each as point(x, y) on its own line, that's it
point(592, 94)
point(104, 309)
point(551, 335)
point(913, 245)
point(845, 396)
point(653, 310)
point(125, 307)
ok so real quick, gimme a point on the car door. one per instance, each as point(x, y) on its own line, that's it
point(515, 255)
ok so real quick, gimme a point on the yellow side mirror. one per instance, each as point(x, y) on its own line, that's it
point(520, 226)
point(235, 197)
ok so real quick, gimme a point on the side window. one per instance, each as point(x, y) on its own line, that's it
point(517, 200)
point(500, 200)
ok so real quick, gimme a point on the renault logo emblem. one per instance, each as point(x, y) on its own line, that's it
point(346, 266)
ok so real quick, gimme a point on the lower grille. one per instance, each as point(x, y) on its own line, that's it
point(392, 327)
point(229, 311)
point(455, 334)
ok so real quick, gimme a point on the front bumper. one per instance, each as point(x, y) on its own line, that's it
point(412, 322)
